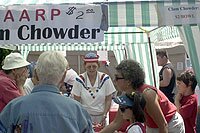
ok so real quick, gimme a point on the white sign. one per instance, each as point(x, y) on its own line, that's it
point(178, 14)
point(103, 55)
point(179, 66)
point(70, 23)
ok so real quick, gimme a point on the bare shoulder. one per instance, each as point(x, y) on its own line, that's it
point(149, 93)
point(167, 70)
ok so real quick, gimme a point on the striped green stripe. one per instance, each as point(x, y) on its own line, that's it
point(192, 50)
point(130, 14)
point(145, 13)
point(113, 11)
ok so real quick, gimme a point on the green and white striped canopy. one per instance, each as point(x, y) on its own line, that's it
point(123, 36)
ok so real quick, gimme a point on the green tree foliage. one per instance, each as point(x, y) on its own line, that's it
point(3, 54)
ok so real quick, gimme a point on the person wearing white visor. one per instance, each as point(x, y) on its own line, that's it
point(12, 78)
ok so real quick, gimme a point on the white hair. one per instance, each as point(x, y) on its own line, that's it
point(50, 67)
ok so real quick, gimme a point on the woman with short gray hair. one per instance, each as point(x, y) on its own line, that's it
point(161, 115)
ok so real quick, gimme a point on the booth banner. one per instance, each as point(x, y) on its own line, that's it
point(67, 23)
point(178, 14)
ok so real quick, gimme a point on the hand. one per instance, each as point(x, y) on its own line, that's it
point(177, 100)
point(21, 74)
point(97, 126)
point(178, 96)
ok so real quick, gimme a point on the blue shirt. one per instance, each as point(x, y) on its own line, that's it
point(45, 111)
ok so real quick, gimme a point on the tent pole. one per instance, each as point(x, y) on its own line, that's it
point(151, 54)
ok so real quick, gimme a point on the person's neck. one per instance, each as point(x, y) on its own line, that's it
point(129, 90)
point(92, 78)
point(167, 62)
point(11, 76)
point(188, 92)
point(92, 75)
point(132, 120)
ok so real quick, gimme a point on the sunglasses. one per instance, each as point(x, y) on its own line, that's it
point(123, 108)
point(118, 78)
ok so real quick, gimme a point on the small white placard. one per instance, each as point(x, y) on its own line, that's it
point(103, 55)
point(179, 65)
point(178, 14)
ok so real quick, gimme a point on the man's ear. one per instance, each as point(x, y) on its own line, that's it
point(62, 80)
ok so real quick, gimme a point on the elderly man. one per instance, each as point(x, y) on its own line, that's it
point(12, 78)
point(45, 110)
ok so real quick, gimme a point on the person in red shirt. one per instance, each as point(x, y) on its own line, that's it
point(186, 100)
point(160, 114)
point(12, 78)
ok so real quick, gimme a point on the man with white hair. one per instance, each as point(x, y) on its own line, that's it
point(12, 78)
point(45, 110)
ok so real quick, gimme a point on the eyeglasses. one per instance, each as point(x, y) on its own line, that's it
point(118, 78)
point(123, 108)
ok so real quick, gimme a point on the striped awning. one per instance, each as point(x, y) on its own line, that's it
point(128, 42)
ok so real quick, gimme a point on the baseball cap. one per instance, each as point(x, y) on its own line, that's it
point(91, 57)
point(123, 101)
point(14, 60)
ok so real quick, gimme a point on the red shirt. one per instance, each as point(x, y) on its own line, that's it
point(168, 108)
point(8, 90)
point(188, 111)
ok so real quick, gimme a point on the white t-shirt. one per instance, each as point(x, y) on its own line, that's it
point(134, 129)
point(28, 86)
point(70, 76)
point(92, 101)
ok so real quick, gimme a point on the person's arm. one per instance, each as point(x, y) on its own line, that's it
point(167, 75)
point(77, 98)
point(108, 101)
point(76, 91)
point(114, 125)
point(177, 101)
point(5, 119)
point(189, 108)
point(154, 110)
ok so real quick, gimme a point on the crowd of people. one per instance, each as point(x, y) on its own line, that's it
point(57, 99)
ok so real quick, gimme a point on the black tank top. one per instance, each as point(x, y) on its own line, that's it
point(168, 89)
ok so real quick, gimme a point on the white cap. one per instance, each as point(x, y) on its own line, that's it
point(14, 60)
